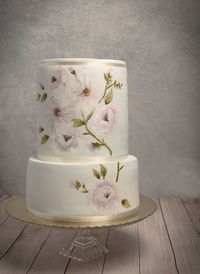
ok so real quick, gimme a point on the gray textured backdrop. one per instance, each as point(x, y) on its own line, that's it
point(159, 39)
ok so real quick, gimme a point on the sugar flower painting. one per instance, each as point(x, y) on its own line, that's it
point(80, 103)
point(105, 120)
point(65, 139)
point(84, 90)
point(59, 77)
point(105, 197)
point(83, 122)
point(59, 111)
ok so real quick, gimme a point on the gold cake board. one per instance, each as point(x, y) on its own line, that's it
point(16, 207)
point(85, 246)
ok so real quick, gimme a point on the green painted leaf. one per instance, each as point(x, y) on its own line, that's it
point(40, 129)
point(117, 84)
point(44, 139)
point(77, 185)
point(44, 97)
point(41, 86)
point(89, 115)
point(96, 173)
point(78, 122)
point(38, 97)
point(86, 133)
point(125, 203)
point(109, 97)
point(109, 76)
point(85, 191)
point(103, 171)
point(73, 72)
point(105, 76)
point(121, 167)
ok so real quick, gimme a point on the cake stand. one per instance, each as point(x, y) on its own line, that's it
point(84, 246)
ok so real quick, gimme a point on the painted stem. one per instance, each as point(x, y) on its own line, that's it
point(118, 171)
point(105, 90)
point(95, 137)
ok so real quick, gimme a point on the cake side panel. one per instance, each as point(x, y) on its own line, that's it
point(87, 189)
point(82, 110)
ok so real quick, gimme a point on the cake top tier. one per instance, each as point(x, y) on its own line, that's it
point(82, 108)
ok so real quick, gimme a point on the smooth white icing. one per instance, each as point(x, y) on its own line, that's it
point(51, 187)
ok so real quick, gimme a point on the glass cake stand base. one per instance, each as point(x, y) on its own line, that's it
point(85, 246)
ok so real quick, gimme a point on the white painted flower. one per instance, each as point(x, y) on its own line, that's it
point(105, 120)
point(105, 197)
point(85, 91)
point(60, 110)
point(66, 139)
point(59, 77)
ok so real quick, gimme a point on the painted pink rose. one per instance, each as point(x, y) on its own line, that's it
point(65, 140)
point(105, 120)
point(104, 198)
point(59, 77)
point(85, 90)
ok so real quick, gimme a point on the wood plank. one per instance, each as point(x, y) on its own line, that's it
point(193, 210)
point(93, 267)
point(10, 230)
point(22, 254)
point(3, 214)
point(49, 260)
point(123, 256)
point(154, 243)
point(184, 237)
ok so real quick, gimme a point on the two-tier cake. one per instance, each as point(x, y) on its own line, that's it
point(82, 171)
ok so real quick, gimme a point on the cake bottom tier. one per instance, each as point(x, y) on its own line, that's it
point(83, 191)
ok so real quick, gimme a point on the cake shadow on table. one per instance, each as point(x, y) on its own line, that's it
point(56, 263)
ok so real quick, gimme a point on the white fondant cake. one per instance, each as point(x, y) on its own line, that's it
point(82, 168)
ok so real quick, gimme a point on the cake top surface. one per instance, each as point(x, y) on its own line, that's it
point(79, 61)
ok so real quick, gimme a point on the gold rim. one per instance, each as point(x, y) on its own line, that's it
point(82, 61)
point(80, 219)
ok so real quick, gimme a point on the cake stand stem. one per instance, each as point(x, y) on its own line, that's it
point(84, 247)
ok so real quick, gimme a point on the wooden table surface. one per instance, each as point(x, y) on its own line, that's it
point(167, 242)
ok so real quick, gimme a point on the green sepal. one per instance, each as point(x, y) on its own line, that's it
point(44, 139)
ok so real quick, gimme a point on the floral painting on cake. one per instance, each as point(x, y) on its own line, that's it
point(79, 112)
point(104, 197)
